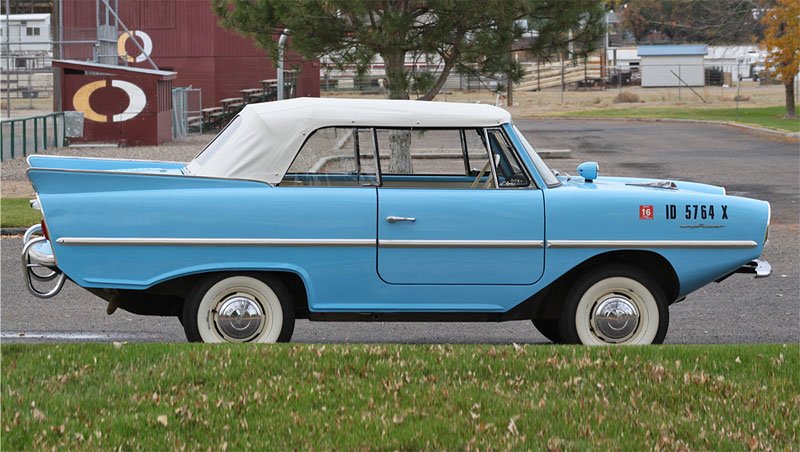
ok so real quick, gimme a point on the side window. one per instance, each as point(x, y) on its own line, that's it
point(334, 157)
point(509, 171)
point(432, 158)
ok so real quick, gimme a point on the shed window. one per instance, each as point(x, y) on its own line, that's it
point(33, 31)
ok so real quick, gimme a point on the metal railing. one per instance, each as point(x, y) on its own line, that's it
point(26, 135)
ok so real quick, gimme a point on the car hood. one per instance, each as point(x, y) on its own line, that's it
point(639, 183)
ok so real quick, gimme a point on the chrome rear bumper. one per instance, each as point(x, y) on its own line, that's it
point(39, 263)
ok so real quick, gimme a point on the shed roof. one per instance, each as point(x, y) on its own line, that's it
point(112, 69)
point(24, 17)
point(268, 135)
point(673, 50)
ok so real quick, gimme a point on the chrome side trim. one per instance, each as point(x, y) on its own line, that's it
point(133, 173)
point(300, 242)
point(70, 157)
point(156, 241)
point(651, 244)
point(461, 243)
point(211, 241)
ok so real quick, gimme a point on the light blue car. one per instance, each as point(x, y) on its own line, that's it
point(328, 209)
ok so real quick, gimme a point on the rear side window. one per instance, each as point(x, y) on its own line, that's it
point(218, 142)
point(334, 157)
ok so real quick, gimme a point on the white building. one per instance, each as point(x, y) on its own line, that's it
point(735, 59)
point(672, 65)
point(30, 41)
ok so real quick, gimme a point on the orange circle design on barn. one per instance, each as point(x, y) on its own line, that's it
point(147, 45)
point(137, 100)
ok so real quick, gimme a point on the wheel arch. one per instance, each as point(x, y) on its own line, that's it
point(652, 263)
point(166, 298)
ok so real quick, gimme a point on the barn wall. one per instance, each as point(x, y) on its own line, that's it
point(186, 39)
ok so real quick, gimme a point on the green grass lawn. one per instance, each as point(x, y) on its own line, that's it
point(770, 117)
point(17, 213)
point(295, 396)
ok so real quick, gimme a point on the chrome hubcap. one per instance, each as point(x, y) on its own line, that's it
point(615, 318)
point(239, 318)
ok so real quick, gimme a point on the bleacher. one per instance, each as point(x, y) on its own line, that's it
point(214, 118)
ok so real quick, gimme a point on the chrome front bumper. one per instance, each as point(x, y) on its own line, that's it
point(39, 263)
point(762, 269)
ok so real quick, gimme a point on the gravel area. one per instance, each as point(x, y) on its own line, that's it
point(15, 184)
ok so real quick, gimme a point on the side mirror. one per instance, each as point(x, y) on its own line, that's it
point(588, 170)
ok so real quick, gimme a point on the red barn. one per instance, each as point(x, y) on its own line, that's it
point(183, 36)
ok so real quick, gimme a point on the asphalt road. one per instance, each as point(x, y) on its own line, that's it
point(739, 310)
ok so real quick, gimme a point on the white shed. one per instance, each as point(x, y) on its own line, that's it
point(28, 37)
point(29, 33)
point(666, 65)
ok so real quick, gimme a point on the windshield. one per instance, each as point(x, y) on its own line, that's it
point(547, 174)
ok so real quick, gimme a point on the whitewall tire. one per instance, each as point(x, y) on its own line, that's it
point(618, 304)
point(238, 308)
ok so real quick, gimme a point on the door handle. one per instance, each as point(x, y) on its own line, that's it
point(393, 219)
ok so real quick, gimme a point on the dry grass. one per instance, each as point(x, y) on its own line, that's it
point(531, 104)
point(627, 98)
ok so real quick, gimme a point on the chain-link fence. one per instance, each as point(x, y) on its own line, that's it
point(689, 83)
point(187, 114)
point(375, 84)
point(588, 84)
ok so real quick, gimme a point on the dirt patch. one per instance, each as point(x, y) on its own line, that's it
point(17, 189)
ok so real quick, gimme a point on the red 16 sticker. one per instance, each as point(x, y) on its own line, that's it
point(645, 212)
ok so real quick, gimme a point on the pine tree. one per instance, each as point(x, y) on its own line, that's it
point(468, 36)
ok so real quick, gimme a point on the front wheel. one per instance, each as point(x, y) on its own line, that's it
point(548, 328)
point(618, 304)
point(238, 308)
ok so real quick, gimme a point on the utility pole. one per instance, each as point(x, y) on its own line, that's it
point(509, 82)
point(8, 59)
point(58, 53)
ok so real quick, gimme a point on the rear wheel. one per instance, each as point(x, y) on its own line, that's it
point(239, 308)
point(618, 304)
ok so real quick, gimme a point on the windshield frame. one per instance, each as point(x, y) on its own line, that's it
point(548, 176)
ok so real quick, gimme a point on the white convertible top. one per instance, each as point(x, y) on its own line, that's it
point(264, 139)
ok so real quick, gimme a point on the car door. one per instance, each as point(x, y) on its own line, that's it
point(450, 224)
point(329, 199)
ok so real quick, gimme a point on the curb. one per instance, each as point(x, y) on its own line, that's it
point(554, 153)
point(12, 231)
point(792, 135)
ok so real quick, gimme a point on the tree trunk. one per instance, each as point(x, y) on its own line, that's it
point(399, 140)
point(400, 144)
point(396, 77)
point(437, 86)
point(790, 109)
